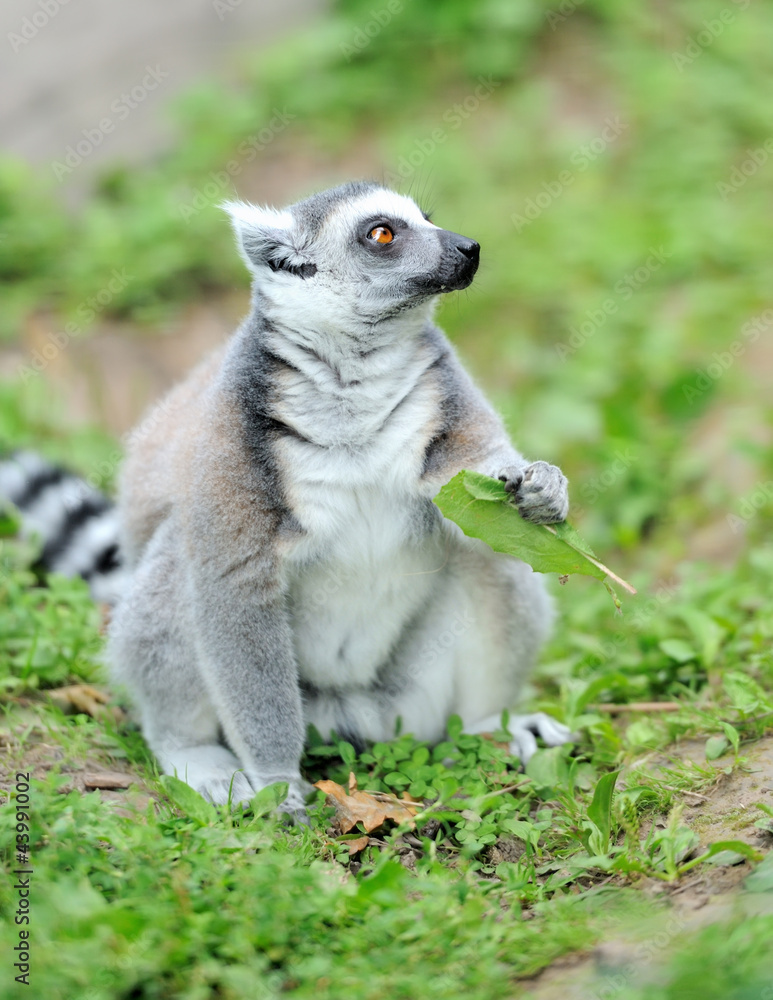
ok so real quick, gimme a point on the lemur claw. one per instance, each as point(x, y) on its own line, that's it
point(540, 492)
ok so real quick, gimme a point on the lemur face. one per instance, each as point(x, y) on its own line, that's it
point(358, 251)
point(385, 241)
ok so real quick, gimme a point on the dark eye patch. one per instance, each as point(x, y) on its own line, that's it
point(396, 226)
point(305, 270)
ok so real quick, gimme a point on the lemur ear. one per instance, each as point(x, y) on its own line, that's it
point(265, 238)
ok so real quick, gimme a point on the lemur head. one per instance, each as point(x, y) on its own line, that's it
point(357, 254)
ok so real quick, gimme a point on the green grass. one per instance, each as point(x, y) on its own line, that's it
point(156, 901)
point(670, 472)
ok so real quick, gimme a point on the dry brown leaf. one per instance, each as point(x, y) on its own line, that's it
point(355, 846)
point(369, 808)
point(108, 780)
point(105, 613)
point(84, 698)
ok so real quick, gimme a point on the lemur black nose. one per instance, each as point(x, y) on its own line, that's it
point(459, 261)
point(470, 249)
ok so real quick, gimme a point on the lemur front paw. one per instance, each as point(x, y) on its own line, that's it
point(220, 787)
point(525, 729)
point(294, 806)
point(540, 492)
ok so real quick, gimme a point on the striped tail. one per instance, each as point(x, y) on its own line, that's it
point(75, 522)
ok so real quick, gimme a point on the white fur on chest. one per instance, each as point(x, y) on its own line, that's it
point(363, 424)
point(366, 563)
point(348, 615)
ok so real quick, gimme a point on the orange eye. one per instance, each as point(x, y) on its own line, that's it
point(381, 234)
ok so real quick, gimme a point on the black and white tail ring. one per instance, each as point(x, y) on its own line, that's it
point(75, 523)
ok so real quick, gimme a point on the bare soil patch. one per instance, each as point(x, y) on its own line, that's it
point(726, 810)
point(32, 747)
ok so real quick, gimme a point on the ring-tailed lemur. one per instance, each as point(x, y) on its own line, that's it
point(285, 563)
